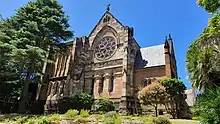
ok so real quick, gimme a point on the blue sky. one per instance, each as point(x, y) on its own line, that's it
point(152, 20)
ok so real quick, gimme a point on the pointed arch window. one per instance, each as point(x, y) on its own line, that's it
point(111, 84)
point(147, 82)
point(101, 84)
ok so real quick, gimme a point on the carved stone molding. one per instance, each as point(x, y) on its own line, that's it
point(97, 77)
point(107, 63)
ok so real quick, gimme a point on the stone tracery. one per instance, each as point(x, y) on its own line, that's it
point(105, 48)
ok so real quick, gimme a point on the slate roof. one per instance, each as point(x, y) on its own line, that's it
point(153, 55)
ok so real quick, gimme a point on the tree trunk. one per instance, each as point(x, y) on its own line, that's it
point(24, 98)
point(156, 110)
point(177, 111)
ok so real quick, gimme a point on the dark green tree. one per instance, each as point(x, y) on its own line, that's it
point(203, 54)
point(9, 76)
point(208, 106)
point(209, 5)
point(175, 88)
point(40, 26)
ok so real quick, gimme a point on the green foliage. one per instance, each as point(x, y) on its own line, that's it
point(82, 101)
point(21, 120)
point(112, 121)
point(55, 118)
point(203, 56)
point(71, 113)
point(84, 113)
point(153, 95)
point(161, 120)
point(31, 121)
point(79, 101)
point(173, 86)
point(209, 5)
point(208, 106)
point(175, 89)
point(104, 105)
point(111, 114)
point(81, 120)
point(112, 118)
point(26, 40)
point(43, 120)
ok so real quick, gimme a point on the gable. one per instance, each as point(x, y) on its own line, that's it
point(106, 20)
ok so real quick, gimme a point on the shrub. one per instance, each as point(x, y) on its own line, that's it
point(43, 120)
point(104, 105)
point(82, 101)
point(79, 101)
point(84, 113)
point(71, 113)
point(161, 120)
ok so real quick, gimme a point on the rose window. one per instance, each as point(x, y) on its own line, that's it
point(105, 48)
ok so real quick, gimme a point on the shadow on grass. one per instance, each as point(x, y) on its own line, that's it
point(15, 116)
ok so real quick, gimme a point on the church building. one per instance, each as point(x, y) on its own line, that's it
point(108, 63)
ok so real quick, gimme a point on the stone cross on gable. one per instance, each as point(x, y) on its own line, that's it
point(108, 7)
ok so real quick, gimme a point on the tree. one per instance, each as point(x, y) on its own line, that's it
point(203, 56)
point(9, 76)
point(153, 95)
point(209, 5)
point(175, 88)
point(208, 106)
point(40, 26)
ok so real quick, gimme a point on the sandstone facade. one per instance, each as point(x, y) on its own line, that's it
point(107, 63)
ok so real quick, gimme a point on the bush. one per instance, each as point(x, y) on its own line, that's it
point(71, 113)
point(82, 101)
point(161, 120)
point(104, 105)
point(79, 101)
point(84, 113)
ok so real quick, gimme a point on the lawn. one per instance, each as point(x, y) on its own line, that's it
point(183, 121)
point(82, 118)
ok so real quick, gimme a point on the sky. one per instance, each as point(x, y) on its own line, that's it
point(152, 20)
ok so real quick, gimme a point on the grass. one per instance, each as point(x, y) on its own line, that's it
point(183, 121)
point(56, 117)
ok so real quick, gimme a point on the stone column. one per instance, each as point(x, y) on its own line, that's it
point(123, 107)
